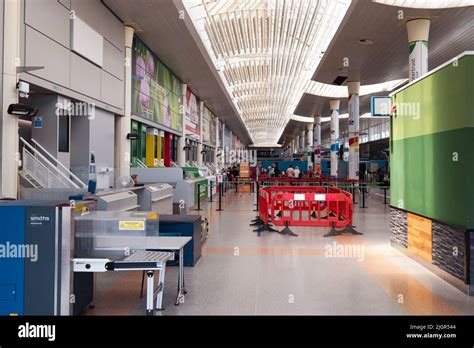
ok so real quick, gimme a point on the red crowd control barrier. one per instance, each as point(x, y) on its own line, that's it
point(306, 206)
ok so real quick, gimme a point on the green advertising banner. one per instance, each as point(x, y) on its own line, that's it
point(156, 91)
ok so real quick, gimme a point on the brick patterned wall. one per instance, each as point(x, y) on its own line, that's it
point(449, 249)
point(398, 227)
point(471, 262)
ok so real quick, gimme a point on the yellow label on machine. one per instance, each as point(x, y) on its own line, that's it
point(132, 225)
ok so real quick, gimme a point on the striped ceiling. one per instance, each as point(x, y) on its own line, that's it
point(266, 52)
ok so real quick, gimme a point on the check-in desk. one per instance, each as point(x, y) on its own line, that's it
point(157, 198)
point(184, 183)
point(118, 201)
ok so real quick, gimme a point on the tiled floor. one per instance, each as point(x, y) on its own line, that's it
point(241, 273)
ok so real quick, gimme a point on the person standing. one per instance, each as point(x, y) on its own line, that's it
point(290, 172)
point(297, 172)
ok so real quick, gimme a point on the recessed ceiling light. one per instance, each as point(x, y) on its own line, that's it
point(365, 42)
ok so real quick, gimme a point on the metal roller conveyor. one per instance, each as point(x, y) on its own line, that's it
point(148, 261)
point(121, 241)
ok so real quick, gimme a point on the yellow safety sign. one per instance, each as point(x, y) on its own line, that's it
point(132, 225)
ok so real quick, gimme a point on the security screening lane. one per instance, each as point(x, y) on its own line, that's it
point(309, 274)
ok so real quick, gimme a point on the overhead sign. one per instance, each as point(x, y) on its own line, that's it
point(381, 106)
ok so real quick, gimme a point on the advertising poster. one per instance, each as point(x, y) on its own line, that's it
point(213, 130)
point(221, 134)
point(227, 140)
point(206, 125)
point(156, 91)
point(191, 116)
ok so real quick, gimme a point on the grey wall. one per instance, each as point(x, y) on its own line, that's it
point(48, 135)
point(102, 143)
point(80, 147)
point(46, 42)
point(92, 135)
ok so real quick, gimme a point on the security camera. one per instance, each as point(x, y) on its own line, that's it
point(23, 88)
point(20, 109)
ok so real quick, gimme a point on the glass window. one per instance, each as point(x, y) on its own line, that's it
point(63, 134)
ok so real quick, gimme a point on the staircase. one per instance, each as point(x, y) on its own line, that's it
point(32, 181)
point(40, 169)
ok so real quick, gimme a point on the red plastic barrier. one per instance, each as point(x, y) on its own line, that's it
point(306, 206)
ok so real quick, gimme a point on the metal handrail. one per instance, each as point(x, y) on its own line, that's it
point(141, 164)
point(40, 155)
point(27, 154)
point(59, 163)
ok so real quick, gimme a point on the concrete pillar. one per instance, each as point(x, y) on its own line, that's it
point(201, 112)
point(9, 123)
point(317, 145)
point(309, 136)
point(302, 140)
point(216, 159)
point(309, 143)
point(334, 106)
point(182, 138)
point(123, 124)
point(353, 121)
point(418, 32)
point(224, 150)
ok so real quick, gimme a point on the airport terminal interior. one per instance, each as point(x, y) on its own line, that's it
point(237, 157)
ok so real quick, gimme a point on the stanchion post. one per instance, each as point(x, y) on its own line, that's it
point(199, 196)
point(363, 195)
point(257, 187)
point(210, 191)
point(221, 188)
point(385, 195)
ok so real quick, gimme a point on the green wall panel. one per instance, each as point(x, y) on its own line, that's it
point(444, 101)
point(425, 179)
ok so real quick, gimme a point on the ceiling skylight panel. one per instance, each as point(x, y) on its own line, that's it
point(277, 44)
